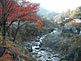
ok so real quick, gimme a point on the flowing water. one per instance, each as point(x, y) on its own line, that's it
point(43, 53)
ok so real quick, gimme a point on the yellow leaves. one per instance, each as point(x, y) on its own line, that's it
point(8, 42)
point(0, 39)
point(6, 57)
point(73, 23)
point(39, 24)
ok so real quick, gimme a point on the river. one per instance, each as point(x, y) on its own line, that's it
point(44, 53)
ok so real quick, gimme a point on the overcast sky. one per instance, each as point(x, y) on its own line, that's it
point(58, 5)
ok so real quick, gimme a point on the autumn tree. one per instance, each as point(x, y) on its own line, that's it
point(76, 13)
point(11, 12)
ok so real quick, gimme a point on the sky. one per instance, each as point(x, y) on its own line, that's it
point(58, 5)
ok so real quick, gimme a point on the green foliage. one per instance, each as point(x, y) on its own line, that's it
point(76, 38)
point(66, 33)
point(76, 13)
point(26, 32)
point(23, 49)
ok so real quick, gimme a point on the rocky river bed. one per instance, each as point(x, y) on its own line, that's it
point(56, 46)
point(42, 53)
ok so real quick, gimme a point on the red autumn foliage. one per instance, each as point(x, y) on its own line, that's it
point(6, 57)
point(14, 11)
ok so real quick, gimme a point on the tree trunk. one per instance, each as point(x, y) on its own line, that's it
point(4, 31)
point(16, 31)
point(3, 3)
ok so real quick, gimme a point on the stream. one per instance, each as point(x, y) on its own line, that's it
point(44, 53)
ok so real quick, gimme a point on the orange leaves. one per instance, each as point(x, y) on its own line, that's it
point(39, 24)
